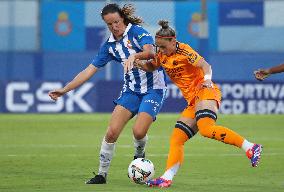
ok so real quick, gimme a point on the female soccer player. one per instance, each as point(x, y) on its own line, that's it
point(128, 41)
point(262, 74)
point(192, 74)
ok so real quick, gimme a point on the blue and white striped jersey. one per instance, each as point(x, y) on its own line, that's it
point(134, 38)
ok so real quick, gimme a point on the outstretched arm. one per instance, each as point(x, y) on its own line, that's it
point(261, 74)
point(81, 78)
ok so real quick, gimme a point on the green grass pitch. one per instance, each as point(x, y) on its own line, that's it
point(59, 153)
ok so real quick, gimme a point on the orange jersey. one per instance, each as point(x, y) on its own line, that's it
point(182, 70)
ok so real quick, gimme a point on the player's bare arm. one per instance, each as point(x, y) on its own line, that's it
point(262, 74)
point(82, 77)
point(207, 73)
point(147, 53)
point(145, 65)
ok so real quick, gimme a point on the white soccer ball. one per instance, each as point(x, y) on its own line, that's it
point(141, 170)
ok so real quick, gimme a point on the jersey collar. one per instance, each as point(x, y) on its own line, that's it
point(111, 37)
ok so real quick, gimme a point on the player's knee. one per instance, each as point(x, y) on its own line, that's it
point(181, 133)
point(111, 135)
point(205, 120)
point(139, 133)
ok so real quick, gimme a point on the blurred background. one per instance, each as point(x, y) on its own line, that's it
point(45, 43)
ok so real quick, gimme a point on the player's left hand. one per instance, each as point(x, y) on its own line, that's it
point(128, 64)
point(207, 83)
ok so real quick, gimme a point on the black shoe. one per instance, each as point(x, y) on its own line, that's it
point(142, 156)
point(98, 179)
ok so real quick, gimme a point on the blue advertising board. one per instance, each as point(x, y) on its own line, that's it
point(62, 26)
point(238, 98)
point(187, 22)
point(32, 97)
point(241, 13)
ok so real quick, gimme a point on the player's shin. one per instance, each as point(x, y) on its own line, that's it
point(106, 153)
point(180, 135)
point(139, 146)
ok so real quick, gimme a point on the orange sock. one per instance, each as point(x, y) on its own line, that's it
point(176, 153)
point(207, 128)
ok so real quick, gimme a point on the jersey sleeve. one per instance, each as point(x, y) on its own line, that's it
point(142, 36)
point(103, 57)
point(192, 56)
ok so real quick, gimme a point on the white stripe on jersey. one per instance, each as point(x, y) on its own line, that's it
point(136, 43)
point(118, 48)
point(132, 80)
point(158, 79)
point(143, 78)
point(110, 49)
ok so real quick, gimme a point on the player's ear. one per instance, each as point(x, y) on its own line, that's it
point(173, 41)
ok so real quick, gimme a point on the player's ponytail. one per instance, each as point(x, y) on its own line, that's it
point(165, 31)
point(126, 12)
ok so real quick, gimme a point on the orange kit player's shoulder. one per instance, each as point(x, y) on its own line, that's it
point(192, 56)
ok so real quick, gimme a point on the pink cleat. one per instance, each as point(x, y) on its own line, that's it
point(254, 154)
point(159, 182)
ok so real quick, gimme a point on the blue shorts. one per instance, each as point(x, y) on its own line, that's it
point(150, 102)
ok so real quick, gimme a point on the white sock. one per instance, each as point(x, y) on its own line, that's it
point(106, 153)
point(171, 172)
point(246, 145)
point(139, 146)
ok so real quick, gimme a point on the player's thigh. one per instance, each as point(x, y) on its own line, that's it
point(208, 98)
point(129, 100)
point(212, 105)
point(120, 116)
point(141, 125)
point(152, 102)
point(150, 106)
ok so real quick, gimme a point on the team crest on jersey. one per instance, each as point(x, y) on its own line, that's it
point(128, 44)
point(175, 63)
point(192, 57)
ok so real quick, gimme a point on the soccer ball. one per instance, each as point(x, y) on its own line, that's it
point(141, 170)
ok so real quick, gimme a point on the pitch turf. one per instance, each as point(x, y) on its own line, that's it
point(59, 153)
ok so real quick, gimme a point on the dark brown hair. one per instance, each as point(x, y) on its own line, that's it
point(165, 31)
point(126, 12)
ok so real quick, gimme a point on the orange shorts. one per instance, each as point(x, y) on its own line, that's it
point(202, 94)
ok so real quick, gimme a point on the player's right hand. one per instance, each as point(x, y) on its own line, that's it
point(261, 74)
point(55, 94)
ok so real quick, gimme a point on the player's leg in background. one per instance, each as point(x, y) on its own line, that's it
point(149, 107)
point(140, 129)
point(206, 116)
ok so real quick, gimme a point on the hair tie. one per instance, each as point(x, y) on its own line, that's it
point(165, 37)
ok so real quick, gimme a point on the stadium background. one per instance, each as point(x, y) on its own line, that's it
point(45, 43)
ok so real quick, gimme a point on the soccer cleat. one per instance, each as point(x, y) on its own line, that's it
point(159, 182)
point(254, 154)
point(136, 157)
point(98, 179)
